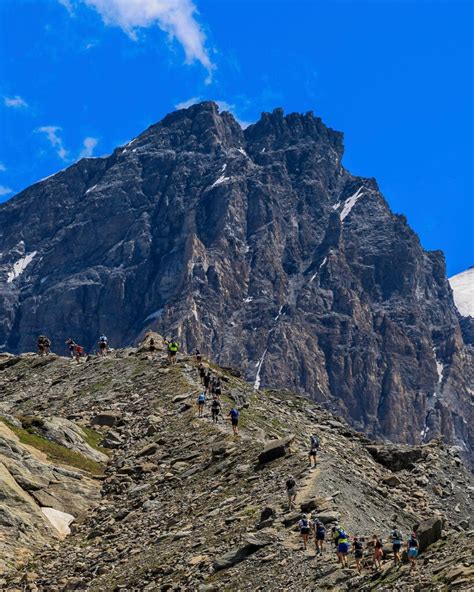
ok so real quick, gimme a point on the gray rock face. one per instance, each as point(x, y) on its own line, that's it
point(258, 247)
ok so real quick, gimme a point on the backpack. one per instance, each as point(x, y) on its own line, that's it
point(397, 535)
point(234, 413)
point(320, 529)
point(290, 484)
point(103, 339)
point(341, 534)
point(303, 523)
point(202, 398)
point(314, 442)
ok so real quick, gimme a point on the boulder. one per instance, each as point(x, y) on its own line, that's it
point(148, 450)
point(107, 418)
point(275, 449)
point(308, 505)
point(396, 458)
point(428, 532)
point(254, 542)
point(327, 517)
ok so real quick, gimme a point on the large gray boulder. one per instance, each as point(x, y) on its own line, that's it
point(275, 449)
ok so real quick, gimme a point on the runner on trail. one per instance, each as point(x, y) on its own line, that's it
point(314, 447)
point(319, 536)
point(207, 381)
point(358, 553)
point(44, 345)
point(304, 530)
point(173, 347)
point(201, 402)
point(202, 372)
point(412, 550)
point(342, 546)
point(78, 352)
point(378, 552)
point(71, 346)
point(397, 540)
point(234, 418)
point(198, 356)
point(215, 410)
point(291, 488)
point(103, 345)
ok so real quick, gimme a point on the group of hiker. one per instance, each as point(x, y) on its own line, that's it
point(212, 388)
point(315, 528)
point(76, 351)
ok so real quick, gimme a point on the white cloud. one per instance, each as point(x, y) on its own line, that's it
point(53, 135)
point(16, 102)
point(67, 5)
point(5, 190)
point(223, 106)
point(2, 167)
point(175, 17)
point(89, 145)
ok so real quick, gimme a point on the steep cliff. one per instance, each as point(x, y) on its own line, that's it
point(258, 247)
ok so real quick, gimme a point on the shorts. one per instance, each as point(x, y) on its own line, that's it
point(291, 492)
point(171, 354)
point(343, 548)
point(235, 422)
point(305, 531)
point(320, 537)
point(396, 547)
point(312, 453)
point(412, 552)
point(358, 554)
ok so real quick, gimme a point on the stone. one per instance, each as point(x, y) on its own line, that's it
point(308, 505)
point(396, 458)
point(428, 532)
point(106, 418)
point(148, 450)
point(275, 449)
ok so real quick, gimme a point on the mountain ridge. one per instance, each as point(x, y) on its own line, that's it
point(257, 245)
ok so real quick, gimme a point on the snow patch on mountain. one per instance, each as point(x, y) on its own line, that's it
point(462, 285)
point(20, 266)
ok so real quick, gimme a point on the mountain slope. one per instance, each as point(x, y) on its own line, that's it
point(181, 498)
point(255, 245)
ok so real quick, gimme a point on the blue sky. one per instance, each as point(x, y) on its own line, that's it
point(79, 77)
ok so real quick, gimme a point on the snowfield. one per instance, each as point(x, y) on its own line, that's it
point(462, 285)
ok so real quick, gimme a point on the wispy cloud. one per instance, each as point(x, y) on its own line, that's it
point(67, 5)
point(223, 106)
point(5, 190)
point(175, 17)
point(3, 168)
point(89, 145)
point(52, 133)
point(16, 102)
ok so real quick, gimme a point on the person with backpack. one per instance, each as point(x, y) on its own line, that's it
point(202, 373)
point(198, 356)
point(78, 352)
point(217, 388)
point(215, 410)
point(314, 447)
point(358, 553)
point(303, 525)
point(412, 550)
point(173, 347)
point(201, 402)
point(71, 347)
point(234, 418)
point(397, 540)
point(343, 546)
point(291, 488)
point(207, 381)
point(103, 345)
point(319, 536)
point(43, 345)
point(378, 552)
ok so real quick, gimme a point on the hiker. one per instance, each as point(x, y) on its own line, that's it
point(71, 346)
point(291, 491)
point(173, 347)
point(217, 388)
point(319, 535)
point(304, 530)
point(201, 403)
point(234, 418)
point(412, 550)
point(103, 345)
point(334, 534)
point(378, 552)
point(202, 373)
point(397, 539)
point(314, 446)
point(358, 553)
point(207, 381)
point(78, 352)
point(215, 410)
point(198, 355)
point(342, 546)
point(44, 345)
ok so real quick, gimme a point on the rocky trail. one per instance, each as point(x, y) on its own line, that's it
point(163, 500)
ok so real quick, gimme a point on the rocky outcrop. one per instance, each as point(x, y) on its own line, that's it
point(256, 246)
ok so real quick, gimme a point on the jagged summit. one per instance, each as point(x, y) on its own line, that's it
point(256, 245)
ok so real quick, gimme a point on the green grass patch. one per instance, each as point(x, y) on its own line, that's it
point(93, 438)
point(55, 452)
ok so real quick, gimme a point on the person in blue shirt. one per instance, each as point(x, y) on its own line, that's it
point(234, 418)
